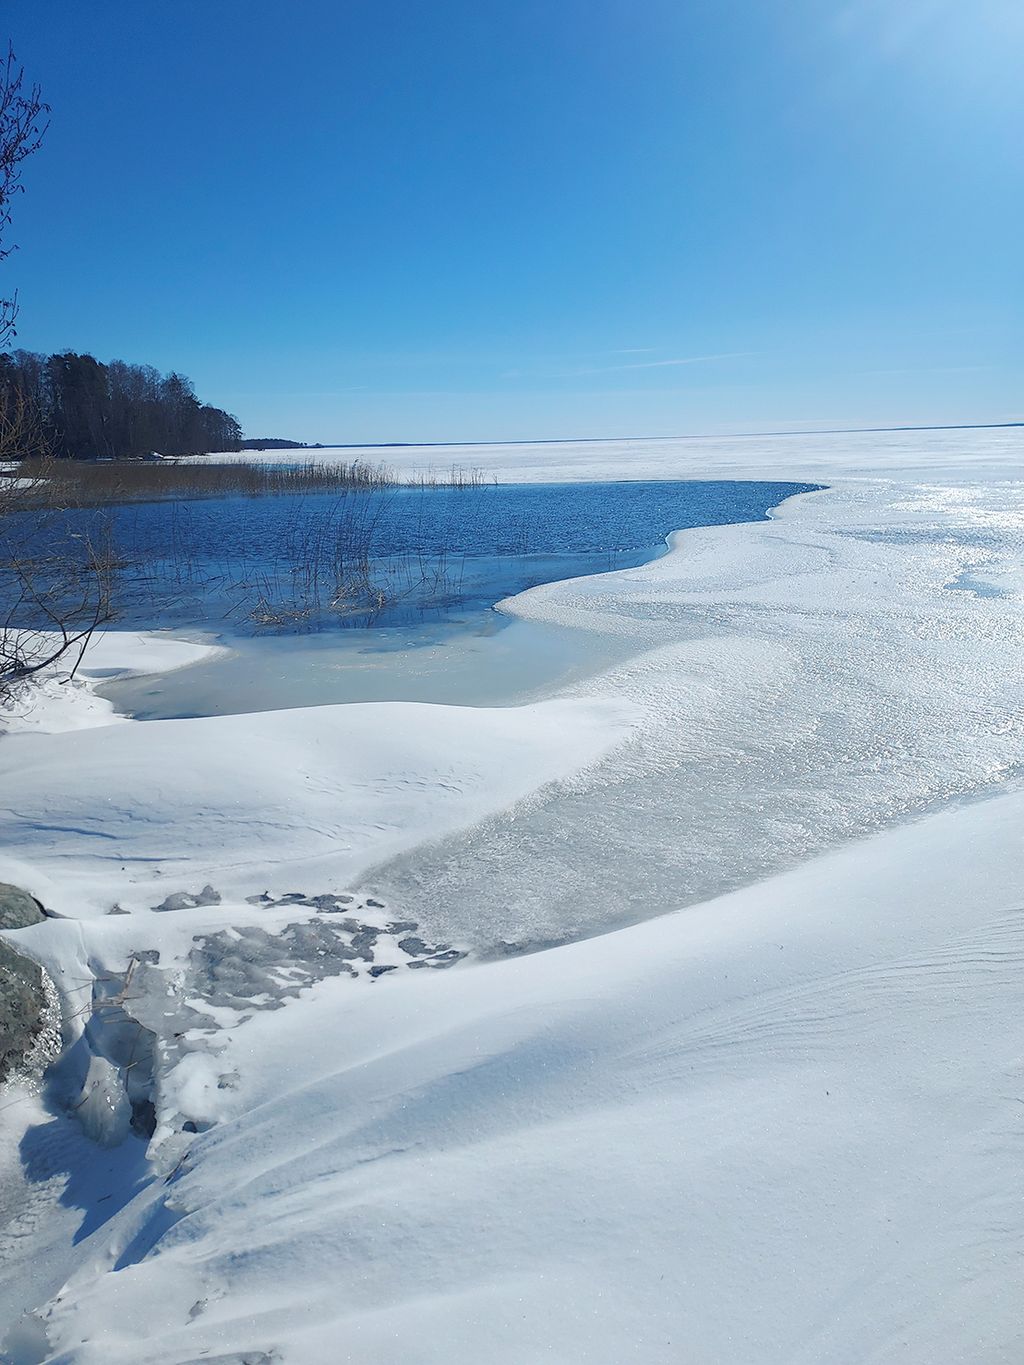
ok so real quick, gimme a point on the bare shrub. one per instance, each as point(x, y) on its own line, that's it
point(55, 585)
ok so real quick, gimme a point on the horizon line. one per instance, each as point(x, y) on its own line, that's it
point(596, 440)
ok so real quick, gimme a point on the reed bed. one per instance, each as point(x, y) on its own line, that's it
point(83, 483)
point(307, 561)
point(324, 568)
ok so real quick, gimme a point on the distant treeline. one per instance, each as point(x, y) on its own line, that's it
point(275, 443)
point(75, 407)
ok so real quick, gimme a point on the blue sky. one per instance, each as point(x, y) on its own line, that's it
point(373, 220)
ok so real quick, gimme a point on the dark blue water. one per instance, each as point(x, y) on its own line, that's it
point(458, 551)
point(393, 557)
point(499, 519)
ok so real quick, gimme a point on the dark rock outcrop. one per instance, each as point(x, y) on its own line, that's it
point(22, 998)
point(18, 908)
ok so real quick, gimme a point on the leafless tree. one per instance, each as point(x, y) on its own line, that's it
point(23, 123)
point(54, 585)
point(65, 599)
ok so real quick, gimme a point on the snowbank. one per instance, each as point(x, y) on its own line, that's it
point(780, 1127)
point(53, 701)
point(312, 797)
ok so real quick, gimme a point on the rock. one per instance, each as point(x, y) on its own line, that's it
point(22, 999)
point(17, 908)
point(249, 968)
point(402, 926)
point(415, 947)
point(179, 900)
point(185, 900)
point(330, 904)
point(22, 1005)
point(445, 959)
point(363, 943)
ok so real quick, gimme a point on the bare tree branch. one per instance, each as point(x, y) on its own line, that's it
point(23, 124)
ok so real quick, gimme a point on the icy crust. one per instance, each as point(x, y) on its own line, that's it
point(803, 681)
point(783, 1126)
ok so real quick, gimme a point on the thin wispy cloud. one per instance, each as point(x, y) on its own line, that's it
point(657, 364)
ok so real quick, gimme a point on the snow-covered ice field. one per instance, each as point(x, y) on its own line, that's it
point(764, 1104)
point(908, 454)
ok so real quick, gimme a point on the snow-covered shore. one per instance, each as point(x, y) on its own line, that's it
point(55, 701)
point(314, 796)
point(780, 1125)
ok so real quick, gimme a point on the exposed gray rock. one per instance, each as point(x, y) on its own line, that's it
point(17, 908)
point(249, 968)
point(363, 943)
point(330, 904)
point(415, 947)
point(186, 900)
point(448, 958)
point(22, 1004)
point(350, 926)
point(22, 997)
point(179, 900)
